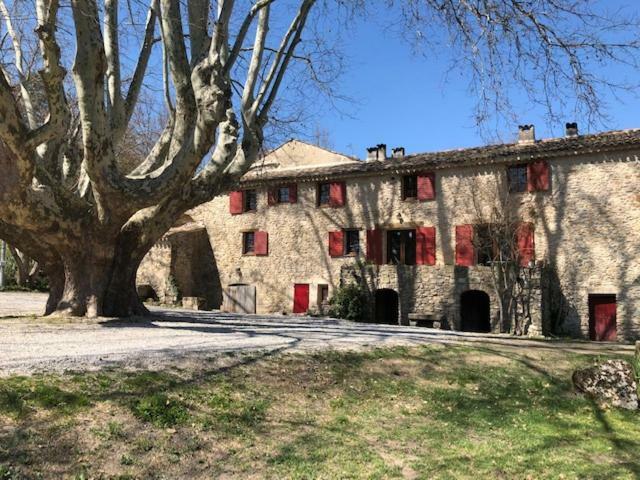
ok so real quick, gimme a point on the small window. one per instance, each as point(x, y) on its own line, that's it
point(401, 247)
point(323, 294)
point(352, 242)
point(248, 243)
point(283, 195)
point(517, 177)
point(250, 201)
point(410, 186)
point(324, 194)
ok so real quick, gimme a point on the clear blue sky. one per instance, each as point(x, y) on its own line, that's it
point(404, 99)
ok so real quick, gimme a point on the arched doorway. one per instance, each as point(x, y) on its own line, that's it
point(386, 306)
point(474, 312)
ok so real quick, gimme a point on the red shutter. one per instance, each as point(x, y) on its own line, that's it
point(336, 244)
point(465, 253)
point(374, 246)
point(538, 176)
point(261, 246)
point(525, 239)
point(272, 196)
point(293, 193)
point(236, 202)
point(427, 186)
point(337, 194)
point(426, 246)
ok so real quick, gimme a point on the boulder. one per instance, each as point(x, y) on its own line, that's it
point(611, 383)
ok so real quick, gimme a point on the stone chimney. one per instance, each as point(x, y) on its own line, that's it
point(397, 152)
point(526, 134)
point(379, 152)
point(571, 129)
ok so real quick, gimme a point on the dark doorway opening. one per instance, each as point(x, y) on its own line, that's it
point(386, 306)
point(602, 318)
point(474, 312)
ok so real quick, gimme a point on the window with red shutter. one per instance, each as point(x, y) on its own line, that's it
point(337, 194)
point(538, 176)
point(426, 246)
point(427, 186)
point(235, 202)
point(525, 239)
point(465, 253)
point(336, 243)
point(261, 243)
point(374, 246)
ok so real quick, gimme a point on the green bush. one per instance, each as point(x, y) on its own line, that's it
point(349, 302)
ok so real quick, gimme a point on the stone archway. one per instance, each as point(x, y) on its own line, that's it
point(386, 306)
point(475, 311)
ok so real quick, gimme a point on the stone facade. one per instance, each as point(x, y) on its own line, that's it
point(587, 229)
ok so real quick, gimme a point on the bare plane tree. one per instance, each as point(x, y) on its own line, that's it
point(63, 199)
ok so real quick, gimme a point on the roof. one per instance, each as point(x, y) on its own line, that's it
point(300, 154)
point(502, 153)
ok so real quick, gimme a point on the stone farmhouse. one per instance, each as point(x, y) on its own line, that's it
point(306, 220)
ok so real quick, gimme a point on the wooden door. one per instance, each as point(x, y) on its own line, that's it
point(300, 298)
point(239, 299)
point(602, 317)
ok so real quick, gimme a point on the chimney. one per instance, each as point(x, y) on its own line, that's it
point(571, 129)
point(397, 152)
point(379, 152)
point(526, 134)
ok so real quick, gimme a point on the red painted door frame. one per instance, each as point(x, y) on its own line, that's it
point(602, 317)
point(300, 298)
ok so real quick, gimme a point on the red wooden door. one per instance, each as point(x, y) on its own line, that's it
point(300, 298)
point(602, 317)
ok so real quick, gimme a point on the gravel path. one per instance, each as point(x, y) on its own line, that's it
point(29, 345)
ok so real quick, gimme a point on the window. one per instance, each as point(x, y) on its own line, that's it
point(248, 243)
point(409, 186)
point(283, 195)
point(484, 244)
point(324, 194)
point(517, 177)
point(401, 247)
point(352, 242)
point(323, 294)
point(332, 194)
point(250, 201)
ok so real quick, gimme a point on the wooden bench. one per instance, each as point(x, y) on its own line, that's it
point(426, 320)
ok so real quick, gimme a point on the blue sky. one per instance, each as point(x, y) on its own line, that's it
point(405, 99)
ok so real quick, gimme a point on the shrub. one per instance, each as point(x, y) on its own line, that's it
point(349, 302)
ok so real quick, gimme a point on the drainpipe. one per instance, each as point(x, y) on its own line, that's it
point(3, 255)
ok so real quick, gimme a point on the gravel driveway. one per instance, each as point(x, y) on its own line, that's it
point(28, 345)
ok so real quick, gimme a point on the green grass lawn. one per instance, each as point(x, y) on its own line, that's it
point(427, 412)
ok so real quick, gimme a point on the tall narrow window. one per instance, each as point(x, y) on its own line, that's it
point(409, 186)
point(517, 177)
point(248, 243)
point(401, 247)
point(485, 244)
point(324, 194)
point(250, 201)
point(352, 242)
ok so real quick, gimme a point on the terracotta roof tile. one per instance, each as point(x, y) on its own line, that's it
point(512, 152)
